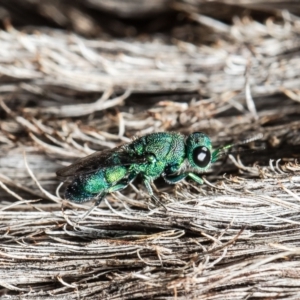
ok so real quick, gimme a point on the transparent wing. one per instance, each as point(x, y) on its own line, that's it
point(101, 160)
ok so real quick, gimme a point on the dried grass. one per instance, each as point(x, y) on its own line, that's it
point(63, 96)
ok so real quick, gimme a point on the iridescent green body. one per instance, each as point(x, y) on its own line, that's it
point(170, 155)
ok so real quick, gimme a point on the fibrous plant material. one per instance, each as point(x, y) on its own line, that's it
point(63, 96)
point(46, 61)
point(240, 239)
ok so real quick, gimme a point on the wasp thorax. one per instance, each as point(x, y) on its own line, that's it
point(198, 147)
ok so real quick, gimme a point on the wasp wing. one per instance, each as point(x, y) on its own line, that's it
point(101, 160)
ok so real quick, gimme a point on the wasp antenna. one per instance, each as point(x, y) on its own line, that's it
point(249, 140)
point(222, 150)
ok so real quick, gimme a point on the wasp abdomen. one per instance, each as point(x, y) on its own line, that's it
point(86, 187)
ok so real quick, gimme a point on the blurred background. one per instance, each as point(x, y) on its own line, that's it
point(79, 76)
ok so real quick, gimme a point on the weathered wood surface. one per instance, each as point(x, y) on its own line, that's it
point(63, 95)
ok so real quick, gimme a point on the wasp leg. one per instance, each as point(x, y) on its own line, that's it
point(122, 184)
point(99, 198)
point(172, 179)
point(150, 192)
point(195, 178)
point(118, 187)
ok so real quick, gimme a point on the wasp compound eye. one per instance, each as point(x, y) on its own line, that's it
point(201, 156)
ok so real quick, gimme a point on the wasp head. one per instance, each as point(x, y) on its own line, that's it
point(199, 151)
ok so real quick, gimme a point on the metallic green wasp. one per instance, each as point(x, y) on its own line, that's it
point(170, 155)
